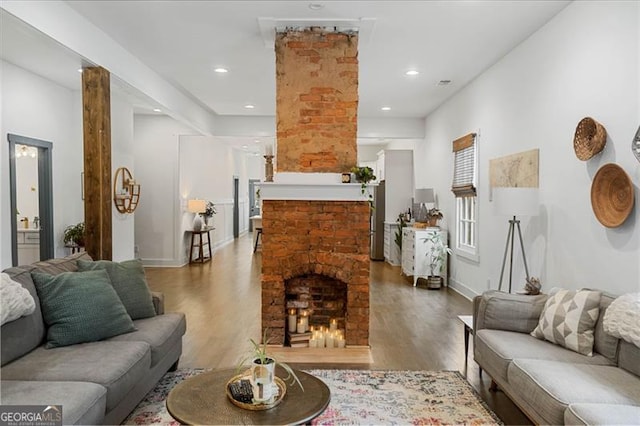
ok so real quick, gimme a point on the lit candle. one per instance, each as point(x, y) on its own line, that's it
point(328, 340)
point(313, 342)
point(340, 342)
point(300, 327)
point(292, 320)
point(320, 340)
point(333, 324)
point(304, 316)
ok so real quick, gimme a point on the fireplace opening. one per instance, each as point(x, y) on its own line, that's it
point(317, 303)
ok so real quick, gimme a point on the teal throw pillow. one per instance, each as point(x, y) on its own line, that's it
point(80, 307)
point(129, 281)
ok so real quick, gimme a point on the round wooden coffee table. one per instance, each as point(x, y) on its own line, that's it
point(203, 400)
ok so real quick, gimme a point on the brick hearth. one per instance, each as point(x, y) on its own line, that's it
point(327, 238)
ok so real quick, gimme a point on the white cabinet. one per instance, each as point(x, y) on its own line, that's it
point(391, 249)
point(415, 247)
point(28, 246)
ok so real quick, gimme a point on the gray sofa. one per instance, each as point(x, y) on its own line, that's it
point(551, 384)
point(96, 383)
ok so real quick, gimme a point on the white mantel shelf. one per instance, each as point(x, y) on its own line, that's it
point(319, 192)
point(313, 187)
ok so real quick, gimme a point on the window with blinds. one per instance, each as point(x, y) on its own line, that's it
point(464, 167)
point(464, 188)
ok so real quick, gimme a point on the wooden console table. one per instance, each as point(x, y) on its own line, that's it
point(200, 245)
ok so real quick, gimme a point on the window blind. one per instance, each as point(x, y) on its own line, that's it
point(464, 167)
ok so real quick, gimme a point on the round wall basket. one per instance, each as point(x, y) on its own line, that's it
point(589, 139)
point(611, 195)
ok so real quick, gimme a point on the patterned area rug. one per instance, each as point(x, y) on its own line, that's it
point(363, 397)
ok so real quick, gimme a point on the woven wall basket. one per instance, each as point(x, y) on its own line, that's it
point(589, 139)
point(611, 195)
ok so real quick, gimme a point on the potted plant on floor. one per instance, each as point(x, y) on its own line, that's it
point(436, 255)
point(402, 224)
point(262, 366)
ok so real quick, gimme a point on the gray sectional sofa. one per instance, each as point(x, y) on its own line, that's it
point(99, 382)
point(551, 384)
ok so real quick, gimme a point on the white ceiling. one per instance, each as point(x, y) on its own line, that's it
point(184, 40)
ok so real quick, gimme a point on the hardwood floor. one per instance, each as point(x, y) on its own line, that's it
point(410, 328)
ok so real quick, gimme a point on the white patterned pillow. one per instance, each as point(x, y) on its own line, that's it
point(568, 319)
point(622, 318)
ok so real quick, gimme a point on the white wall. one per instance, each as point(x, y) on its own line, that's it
point(207, 168)
point(157, 227)
point(582, 63)
point(35, 107)
point(174, 165)
point(122, 231)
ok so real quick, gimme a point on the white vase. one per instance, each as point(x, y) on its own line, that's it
point(197, 223)
point(263, 380)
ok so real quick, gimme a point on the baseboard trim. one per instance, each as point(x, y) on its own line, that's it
point(462, 289)
point(173, 263)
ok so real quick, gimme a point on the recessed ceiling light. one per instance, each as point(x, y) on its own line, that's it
point(157, 110)
point(249, 106)
point(257, 141)
point(244, 147)
point(412, 72)
point(315, 6)
point(444, 82)
point(386, 108)
point(221, 70)
point(79, 70)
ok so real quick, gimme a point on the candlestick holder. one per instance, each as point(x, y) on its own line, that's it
point(268, 168)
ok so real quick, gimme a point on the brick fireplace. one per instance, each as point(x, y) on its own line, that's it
point(306, 239)
point(315, 246)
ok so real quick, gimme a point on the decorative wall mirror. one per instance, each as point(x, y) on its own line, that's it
point(126, 192)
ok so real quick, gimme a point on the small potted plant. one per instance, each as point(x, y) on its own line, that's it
point(433, 216)
point(74, 235)
point(364, 175)
point(263, 367)
point(436, 257)
point(209, 212)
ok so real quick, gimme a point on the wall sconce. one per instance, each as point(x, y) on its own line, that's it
point(126, 192)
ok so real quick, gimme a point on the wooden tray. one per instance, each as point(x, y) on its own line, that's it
point(282, 391)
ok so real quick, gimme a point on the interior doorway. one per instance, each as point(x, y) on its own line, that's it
point(31, 195)
point(236, 207)
point(254, 201)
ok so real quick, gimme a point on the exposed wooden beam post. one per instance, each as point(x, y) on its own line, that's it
point(96, 117)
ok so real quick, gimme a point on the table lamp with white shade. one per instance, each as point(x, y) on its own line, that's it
point(423, 196)
point(514, 201)
point(197, 206)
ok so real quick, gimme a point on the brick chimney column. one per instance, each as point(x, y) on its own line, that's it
point(316, 101)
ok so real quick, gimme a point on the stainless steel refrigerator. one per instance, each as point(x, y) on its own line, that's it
point(377, 222)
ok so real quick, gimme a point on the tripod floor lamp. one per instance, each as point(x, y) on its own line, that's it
point(514, 202)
